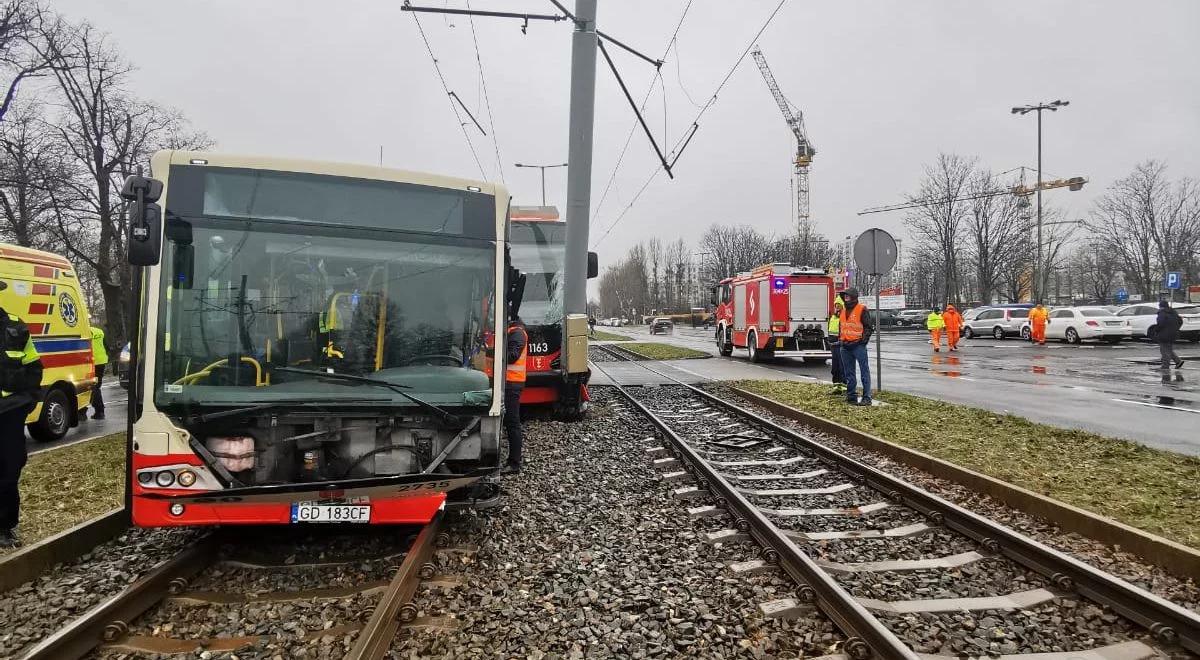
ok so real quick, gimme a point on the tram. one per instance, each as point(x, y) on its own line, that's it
point(312, 342)
point(537, 241)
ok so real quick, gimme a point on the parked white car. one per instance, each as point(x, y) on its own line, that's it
point(1078, 324)
point(1143, 316)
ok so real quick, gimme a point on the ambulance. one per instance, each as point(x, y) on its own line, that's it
point(42, 289)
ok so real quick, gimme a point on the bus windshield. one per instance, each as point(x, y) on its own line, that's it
point(539, 250)
point(242, 295)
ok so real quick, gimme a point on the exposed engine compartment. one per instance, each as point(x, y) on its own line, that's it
point(304, 447)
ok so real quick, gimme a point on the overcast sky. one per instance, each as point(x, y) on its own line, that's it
point(884, 87)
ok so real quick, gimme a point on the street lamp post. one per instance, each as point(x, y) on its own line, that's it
point(543, 169)
point(1053, 106)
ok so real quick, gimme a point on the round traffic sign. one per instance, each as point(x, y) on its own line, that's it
point(875, 252)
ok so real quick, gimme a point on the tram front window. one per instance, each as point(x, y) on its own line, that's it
point(539, 251)
point(243, 297)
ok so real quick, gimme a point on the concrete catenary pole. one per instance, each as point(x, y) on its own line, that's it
point(579, 156)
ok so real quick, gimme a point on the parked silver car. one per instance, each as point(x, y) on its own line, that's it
point(998, 322)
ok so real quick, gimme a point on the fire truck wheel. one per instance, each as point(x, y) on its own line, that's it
point(757, 354)
point(724, 345)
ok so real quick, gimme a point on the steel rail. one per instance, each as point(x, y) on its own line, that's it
point(110, 620)
point(868, 638)
point(1167, 622)
point(375, 639)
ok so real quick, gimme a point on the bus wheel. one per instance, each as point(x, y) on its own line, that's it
point(55, 420)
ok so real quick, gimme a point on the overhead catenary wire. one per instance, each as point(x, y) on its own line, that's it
point(686, 138)
point(487, 101)
point(450, 96)
point(642, 108)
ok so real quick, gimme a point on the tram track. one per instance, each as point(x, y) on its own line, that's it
point(216, 572)
point(801, 500)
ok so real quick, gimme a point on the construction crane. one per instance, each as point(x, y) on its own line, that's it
point(804, 148)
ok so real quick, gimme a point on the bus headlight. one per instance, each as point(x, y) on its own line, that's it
point(186, 478)
point(176, 509)
point(165, 478)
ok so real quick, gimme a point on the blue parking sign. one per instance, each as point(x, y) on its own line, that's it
point(1175, 280)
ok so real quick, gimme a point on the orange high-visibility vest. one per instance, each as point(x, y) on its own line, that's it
point(851, 325)
point(515, 373)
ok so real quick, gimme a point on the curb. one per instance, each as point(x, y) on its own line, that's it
point(1175, 557)
point(29, 562)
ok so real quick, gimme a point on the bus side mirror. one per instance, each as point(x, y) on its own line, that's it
point(593, 265)
point(145, 219)
point(145, 237)
point(712, 297)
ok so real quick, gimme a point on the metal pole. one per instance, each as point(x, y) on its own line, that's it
point(543, 169)
point(579, 156)
point(878, 328)
point(1037, 267)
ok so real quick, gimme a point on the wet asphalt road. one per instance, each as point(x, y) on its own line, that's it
point(1112, 390)
point(115, 415)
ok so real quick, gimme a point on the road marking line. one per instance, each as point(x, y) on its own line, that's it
point(1158, 405)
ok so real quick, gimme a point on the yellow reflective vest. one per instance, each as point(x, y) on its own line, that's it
point(99, 353)
point(835, 323)
point(934, 321)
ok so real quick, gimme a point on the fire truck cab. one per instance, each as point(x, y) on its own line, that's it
point(775, 310)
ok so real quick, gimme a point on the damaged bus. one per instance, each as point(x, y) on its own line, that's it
point(312, 342)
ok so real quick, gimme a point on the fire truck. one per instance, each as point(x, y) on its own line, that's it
point(775, 310)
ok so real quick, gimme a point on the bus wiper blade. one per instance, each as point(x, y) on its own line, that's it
point(447, 416)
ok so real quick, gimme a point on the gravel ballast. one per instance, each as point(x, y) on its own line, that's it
point(34, 610)
point(930, 633)
point(1127, 566)
point(590, 556)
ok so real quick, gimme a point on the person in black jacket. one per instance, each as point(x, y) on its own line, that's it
point(516, 348)
point(1168, 324)
point(20, 380)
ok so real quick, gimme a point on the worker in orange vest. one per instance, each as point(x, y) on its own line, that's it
point(953, 321)
point(516, 349)
point(1038, 317)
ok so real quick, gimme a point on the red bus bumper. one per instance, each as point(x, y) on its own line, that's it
point(155, 512)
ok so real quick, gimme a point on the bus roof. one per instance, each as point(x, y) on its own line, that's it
point(332, 168)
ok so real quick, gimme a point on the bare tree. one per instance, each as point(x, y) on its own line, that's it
point(937, 223)
point(654, 263)
point(22, 25)
point(1096, 270)
point(35, 178)
point(730, 250)
point(108, 134)
point(995, 227)
point(1150, 225)
point(678, 263)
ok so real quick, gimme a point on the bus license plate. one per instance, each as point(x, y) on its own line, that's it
point(331, 513)
point(779, 342)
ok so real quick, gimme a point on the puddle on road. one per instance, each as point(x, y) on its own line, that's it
point(950, 360)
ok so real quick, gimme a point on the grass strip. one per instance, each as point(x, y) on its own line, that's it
point(656, 351)
point(1151, 489)
point(64, 487)
point(600, 335)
